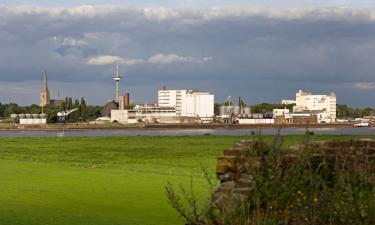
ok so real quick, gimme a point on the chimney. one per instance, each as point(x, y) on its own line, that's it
point(126, 99)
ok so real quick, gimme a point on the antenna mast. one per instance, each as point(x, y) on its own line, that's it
point(117, 79)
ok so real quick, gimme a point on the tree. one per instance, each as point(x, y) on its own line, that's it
point(70, 103)
point(217, 109)
point(10, 109)
point(83, 110)
point(74, 116)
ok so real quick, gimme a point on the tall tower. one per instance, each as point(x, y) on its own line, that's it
point(44, 93)
point(117, 79)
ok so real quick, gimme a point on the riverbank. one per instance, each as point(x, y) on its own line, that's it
point(116, 126)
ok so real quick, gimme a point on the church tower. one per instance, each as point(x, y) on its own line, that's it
point(44, 93)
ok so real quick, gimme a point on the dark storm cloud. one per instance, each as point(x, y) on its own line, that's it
point(245, 51)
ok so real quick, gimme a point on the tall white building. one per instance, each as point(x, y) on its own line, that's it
point(325, 104)
point(188, 103)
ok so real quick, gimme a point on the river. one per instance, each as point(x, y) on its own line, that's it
point(186, 132)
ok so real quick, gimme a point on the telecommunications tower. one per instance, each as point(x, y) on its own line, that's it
point(117, 79)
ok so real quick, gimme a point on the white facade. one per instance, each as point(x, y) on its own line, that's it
point(280, 112)
point(187, 103)
point(319, 103)
point(288, 102)
point(256, 121)
point(152, 111)
point(120, 116)
point(33, 121)
point(172, 98)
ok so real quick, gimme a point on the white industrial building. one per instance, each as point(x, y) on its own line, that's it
point(324, 106)
point(174, 106)
point(280, 112)
point(146, 113)
point(33, 121)
point(288, 102)
point(188, 103)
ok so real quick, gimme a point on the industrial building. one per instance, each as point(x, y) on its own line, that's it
point(323, 106)
point(188, 103)
point(30, 119)
point(174, 106)
point(288, 102)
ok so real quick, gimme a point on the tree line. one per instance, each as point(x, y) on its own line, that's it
point(84, 113)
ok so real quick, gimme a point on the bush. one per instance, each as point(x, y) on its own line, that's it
point(305, 191)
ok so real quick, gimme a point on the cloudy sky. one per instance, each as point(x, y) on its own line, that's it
point(262, 50)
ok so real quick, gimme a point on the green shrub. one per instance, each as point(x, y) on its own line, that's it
point(306, 191)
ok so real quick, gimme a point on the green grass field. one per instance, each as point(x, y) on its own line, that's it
point(103, 180)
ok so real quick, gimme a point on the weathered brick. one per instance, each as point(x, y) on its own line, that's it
point(329, 151)
point(228, 176)
point(371, 150)
point(371, 143)
point(243, 191)
point(227, 163)
point(232, 152)
point(359, 143)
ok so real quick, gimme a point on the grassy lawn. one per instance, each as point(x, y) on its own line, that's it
point(103, 180)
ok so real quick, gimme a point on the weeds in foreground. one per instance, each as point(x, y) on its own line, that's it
point(297, 191)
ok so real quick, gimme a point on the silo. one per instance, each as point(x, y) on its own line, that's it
point(236, 110)
point(22, 115)
point(223, 110)
point(35, 116)
point(247, 110)
point(14, 116)
point(28, 116)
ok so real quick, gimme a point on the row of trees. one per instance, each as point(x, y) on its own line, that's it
point(346, 111)
point(83, 114)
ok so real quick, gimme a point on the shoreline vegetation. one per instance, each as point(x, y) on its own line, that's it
point(117, 126)
point(108, 180)
point(265, 182)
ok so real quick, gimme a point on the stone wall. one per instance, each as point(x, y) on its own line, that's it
point(231, 169)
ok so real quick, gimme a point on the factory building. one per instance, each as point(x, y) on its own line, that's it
point(30, 119)
point(188, 103)
point(324, 106)
point(153, 113)
point(288, 102)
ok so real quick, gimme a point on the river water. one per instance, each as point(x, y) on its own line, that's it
point(186, 132)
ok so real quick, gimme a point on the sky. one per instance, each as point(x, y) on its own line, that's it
point(263, 51)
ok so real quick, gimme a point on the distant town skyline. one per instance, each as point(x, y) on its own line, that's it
point(263, 51)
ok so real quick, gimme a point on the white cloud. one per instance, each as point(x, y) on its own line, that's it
point(110, 59)
point(169, 58)
point(207, 58)
point(190, 15)
point(365, 85)
point(73, 42)
point(160, 59)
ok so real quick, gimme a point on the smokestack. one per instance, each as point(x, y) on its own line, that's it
point(126, 99)
point(239, 104)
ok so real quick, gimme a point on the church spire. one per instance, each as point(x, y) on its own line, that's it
point(45, 83)
point(44, 94)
